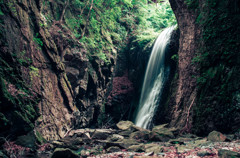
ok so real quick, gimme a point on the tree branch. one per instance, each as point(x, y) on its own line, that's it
point(88, 19)
point(64, 9)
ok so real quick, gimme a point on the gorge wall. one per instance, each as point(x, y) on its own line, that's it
point(51, 82)
point(47, 80)
point(207, 95)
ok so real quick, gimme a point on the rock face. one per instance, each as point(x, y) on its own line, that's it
point(119, 100)
point(206, 88)
point(68, 87)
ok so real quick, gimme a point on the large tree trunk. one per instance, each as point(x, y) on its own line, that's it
point(186, 90)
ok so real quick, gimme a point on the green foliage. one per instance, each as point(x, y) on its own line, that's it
point(1, 13)
point(103, 57)
point(192, 4)
point(175, 57)
point(151, 19)
point(11, 6)
point(38, 40)
point(34, 72)
point(103, 25)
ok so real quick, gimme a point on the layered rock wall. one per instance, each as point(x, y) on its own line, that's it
point(70, 87)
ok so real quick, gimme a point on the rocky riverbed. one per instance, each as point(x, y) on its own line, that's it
point(130, 141)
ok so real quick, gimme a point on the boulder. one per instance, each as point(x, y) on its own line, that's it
point(115, 137)
point(184, 148)
point(29, 140)
point(124, 125)
point(63, 153)
point(101, 134)
point(155, 148)
point(126, 143)
point(227, 153)
point(141, 135)
point(136, 128)
point(85, 153)
point(203, 153)
point(137, 148)
point(70, 142)
point(215, 136)
point(113, 149)
point(125, 133)
point(161, 133)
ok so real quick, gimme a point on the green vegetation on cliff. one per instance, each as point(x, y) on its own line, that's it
point(104, 26)
point(218, 58)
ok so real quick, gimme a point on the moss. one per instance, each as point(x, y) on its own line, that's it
point(34, 72)
point(39, 138)
point(18, 109)
point(219, 66)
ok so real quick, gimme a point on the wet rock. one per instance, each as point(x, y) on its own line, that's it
point(203, 153)
point(155, 148)
point(70, 142)
point(64, 153)
point(125, 133)
point(58, 143)
point(200, 142)
point(141, 135)
point(90, 133)
point(85, 153)
point(161, 133)
point(136, 128)
point(126, 143)
point(115, 137)
point(215, 136)
point(97, 149)
point(101, 134)
point(124, 125)
point(184, 148)
point(113, 149)
point(137, 148)
point(228, 153)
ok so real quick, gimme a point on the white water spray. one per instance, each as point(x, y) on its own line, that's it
point(155, 77)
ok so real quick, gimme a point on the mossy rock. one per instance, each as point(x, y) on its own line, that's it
point(113, 149)
point(124, 125)
point(141, 135)
point(30, 140)
point(161, 133)
point(227, 153)
point(215, 136)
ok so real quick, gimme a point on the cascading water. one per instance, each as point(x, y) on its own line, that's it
point(155, 77)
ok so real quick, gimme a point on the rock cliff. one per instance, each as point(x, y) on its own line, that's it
point(208, 66)
point(66, 86)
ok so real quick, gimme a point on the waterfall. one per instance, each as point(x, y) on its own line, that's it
point(155, 77)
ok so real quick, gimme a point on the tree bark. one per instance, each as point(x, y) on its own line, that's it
point(88, 19)
point(186, 90)
point(64, 9)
